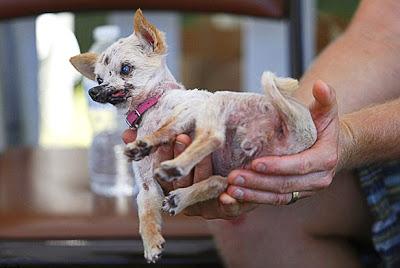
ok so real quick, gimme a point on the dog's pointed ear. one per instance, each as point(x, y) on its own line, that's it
point(149, 33)
point(84, 63)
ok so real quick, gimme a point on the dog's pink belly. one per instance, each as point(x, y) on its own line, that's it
point(252, 138)
point(224, 162)
point(231, 156)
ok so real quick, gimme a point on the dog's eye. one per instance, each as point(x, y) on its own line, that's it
point(99, 80)
point(126, 69)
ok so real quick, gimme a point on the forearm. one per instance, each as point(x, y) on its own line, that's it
point(370, 135)
point(363, 64)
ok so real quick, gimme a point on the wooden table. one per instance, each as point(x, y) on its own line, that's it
point(45, 195)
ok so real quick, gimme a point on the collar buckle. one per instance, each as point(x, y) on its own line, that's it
point(134, 124)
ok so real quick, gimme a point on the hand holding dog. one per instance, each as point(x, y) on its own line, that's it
point(272, 179)
point(223, 208)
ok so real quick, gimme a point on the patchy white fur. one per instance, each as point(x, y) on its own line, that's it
point(234, 127)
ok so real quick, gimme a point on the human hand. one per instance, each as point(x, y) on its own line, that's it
point(273, 179)
point(225, 207)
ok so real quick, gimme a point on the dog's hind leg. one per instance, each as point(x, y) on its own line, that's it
point(181, 198)
point(209, 136)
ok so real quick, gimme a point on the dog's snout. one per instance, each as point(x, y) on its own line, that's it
point(94, 92)
point(104, 94)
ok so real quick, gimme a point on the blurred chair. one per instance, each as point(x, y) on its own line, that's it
point(277, 9)
point(20, 109)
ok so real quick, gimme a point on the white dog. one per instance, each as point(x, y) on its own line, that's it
point(234, 127)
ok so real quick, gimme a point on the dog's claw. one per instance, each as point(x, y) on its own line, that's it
point(161, 246)
point(153, 251)
point(155, 258)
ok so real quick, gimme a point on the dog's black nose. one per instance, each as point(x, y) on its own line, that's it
point(94, 92)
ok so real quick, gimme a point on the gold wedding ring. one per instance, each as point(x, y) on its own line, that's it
point(295, 197)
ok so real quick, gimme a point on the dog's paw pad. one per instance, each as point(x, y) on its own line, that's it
point(171, 204)
point(170, 201)
point(141, 144)
point(168, 172)
point(138, 150)
point(130, 152)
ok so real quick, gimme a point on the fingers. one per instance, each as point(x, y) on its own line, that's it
point(181, 143)
point(203, 170)
point(227, 200)
point(214, 209)
point(208, 210)
point(261, 197)
point(232, 208)
point(313, 160)
point(166, 152)
point(129, 136)
point(279, 184)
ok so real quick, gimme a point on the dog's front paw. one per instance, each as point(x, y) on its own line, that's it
point(137, 150)
point(153, 248)
point(175, 202)
point(168, 172)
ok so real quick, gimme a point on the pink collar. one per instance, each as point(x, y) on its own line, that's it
point(133, 117)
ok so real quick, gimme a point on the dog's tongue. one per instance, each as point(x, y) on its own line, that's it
point(119, 93)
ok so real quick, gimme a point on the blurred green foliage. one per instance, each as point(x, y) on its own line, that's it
point(84, 24)
point(340, 8)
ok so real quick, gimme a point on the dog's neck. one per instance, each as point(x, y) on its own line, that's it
point(162, 76)
point(161, 82)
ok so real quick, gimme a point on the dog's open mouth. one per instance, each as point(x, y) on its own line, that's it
point(117, 97)
point(119, 93)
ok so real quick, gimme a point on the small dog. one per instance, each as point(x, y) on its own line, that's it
point(235, 127)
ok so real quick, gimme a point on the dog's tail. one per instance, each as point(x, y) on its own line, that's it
point(285, 85)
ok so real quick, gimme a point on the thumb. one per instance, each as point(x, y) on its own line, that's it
point(325, 97)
